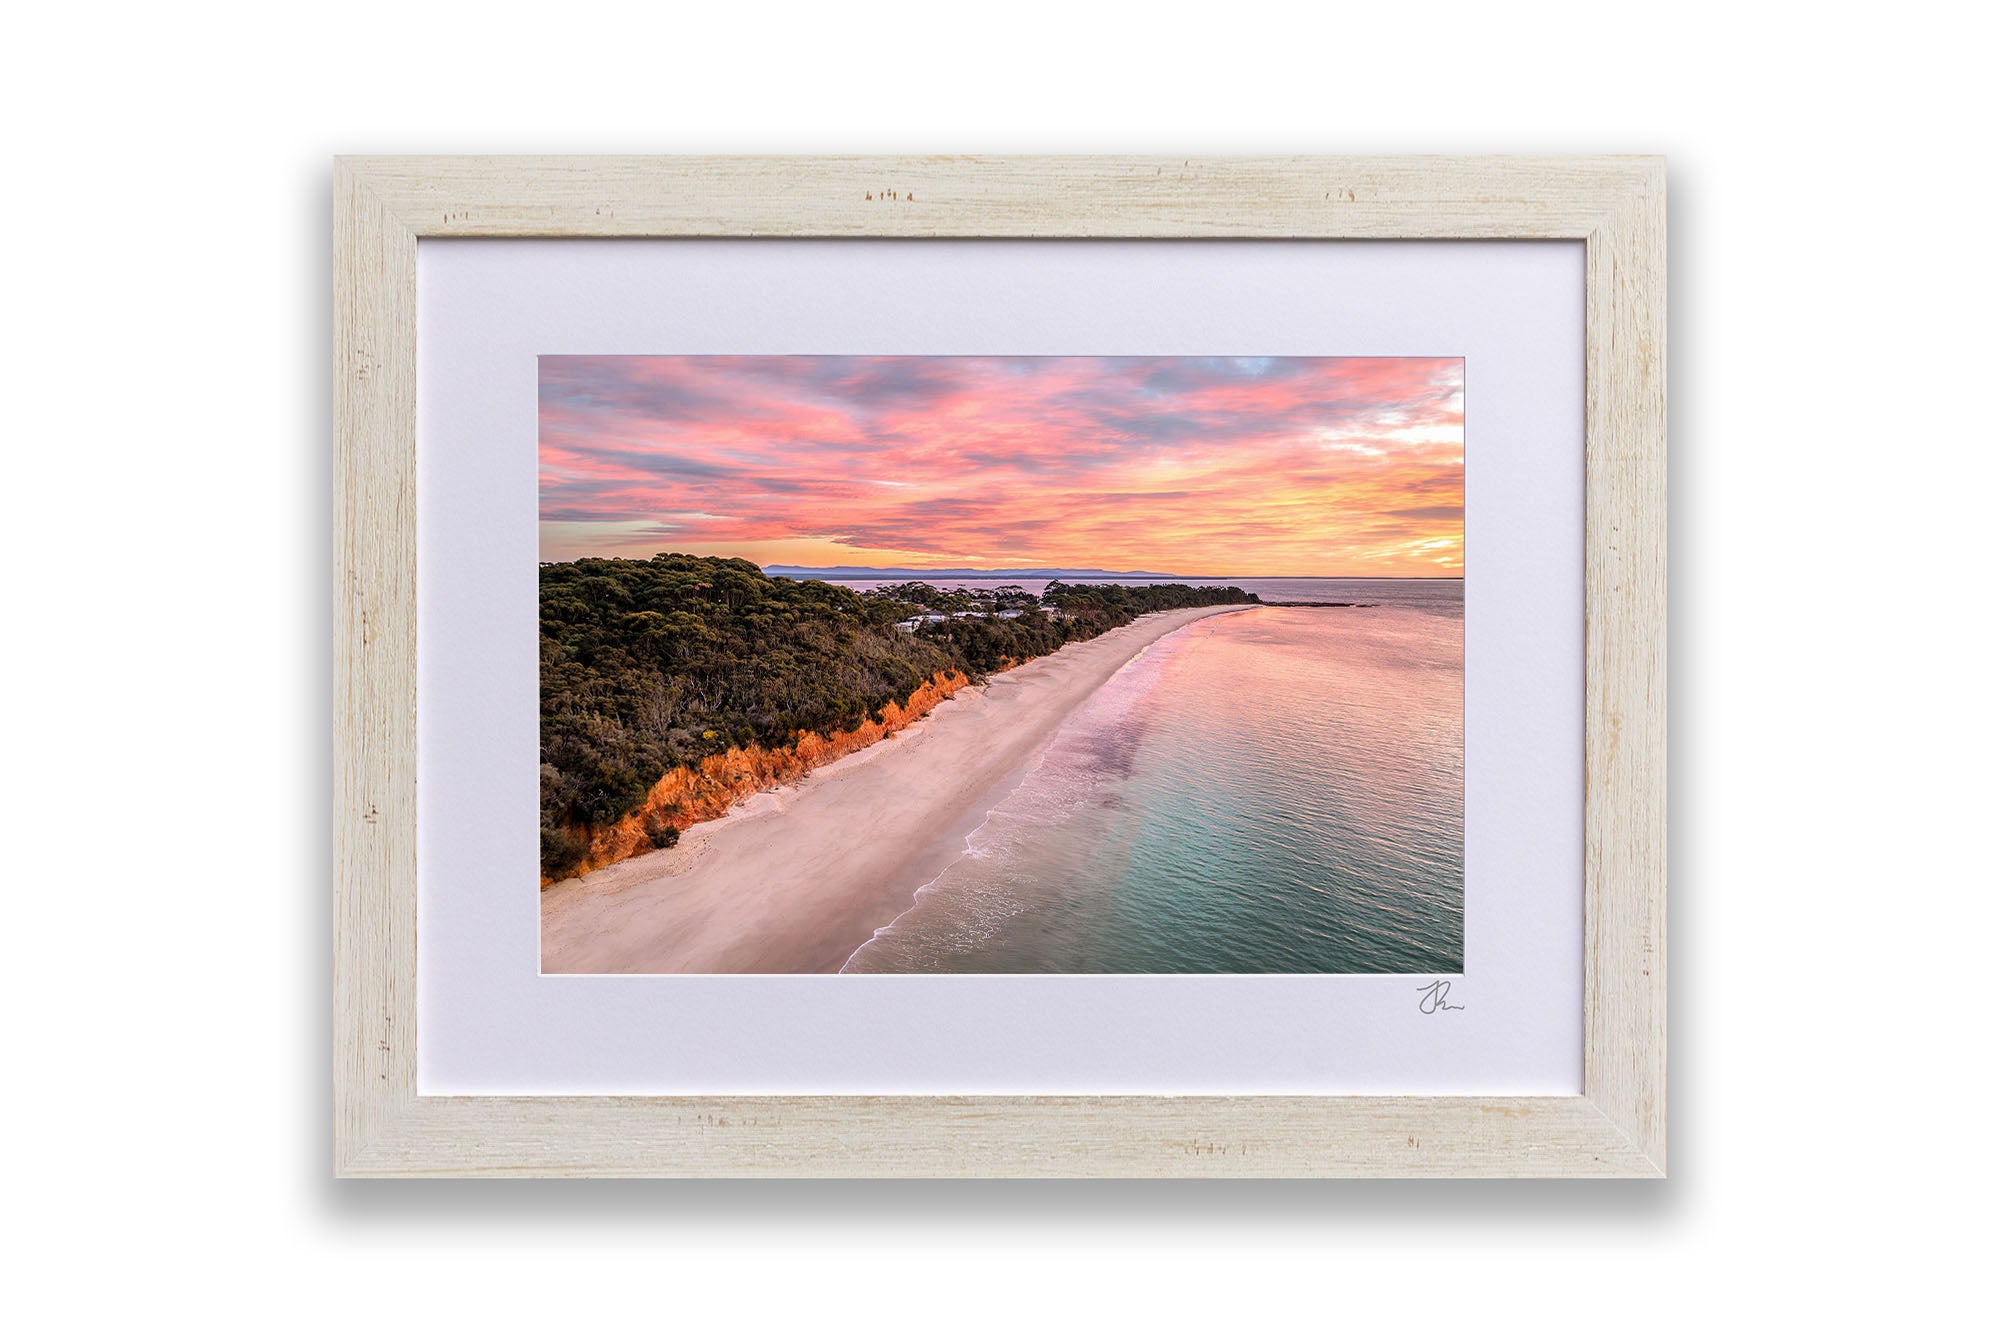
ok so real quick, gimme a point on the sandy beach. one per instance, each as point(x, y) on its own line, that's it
point(795, 880)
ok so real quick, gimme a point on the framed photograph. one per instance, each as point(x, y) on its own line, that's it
point(1000, 667)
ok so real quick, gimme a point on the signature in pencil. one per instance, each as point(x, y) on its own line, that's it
point(1435, 998)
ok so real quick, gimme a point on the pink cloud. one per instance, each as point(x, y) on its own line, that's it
point(1200, 465)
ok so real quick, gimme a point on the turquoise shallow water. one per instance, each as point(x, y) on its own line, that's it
point(1273, 790)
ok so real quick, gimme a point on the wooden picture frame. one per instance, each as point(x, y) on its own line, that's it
point(383, 206)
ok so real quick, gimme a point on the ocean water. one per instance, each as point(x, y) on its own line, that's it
point(1273, 790)
point(1437, 593)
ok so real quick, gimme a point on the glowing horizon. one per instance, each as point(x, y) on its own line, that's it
point(1244, 466)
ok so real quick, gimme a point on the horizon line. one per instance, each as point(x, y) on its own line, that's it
point(970, 571)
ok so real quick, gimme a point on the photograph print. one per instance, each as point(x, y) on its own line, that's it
point(967, 664)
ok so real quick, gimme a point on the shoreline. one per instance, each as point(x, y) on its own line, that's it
point(751, 893)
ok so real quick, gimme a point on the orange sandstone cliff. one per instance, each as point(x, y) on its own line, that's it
point(690, 794)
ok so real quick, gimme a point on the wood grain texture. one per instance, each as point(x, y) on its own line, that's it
point(1616, 206)
point(375, 665)
point(1625, 591)
point(930, 1137)
point(1355, 197)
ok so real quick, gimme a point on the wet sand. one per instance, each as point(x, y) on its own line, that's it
point(795, 880)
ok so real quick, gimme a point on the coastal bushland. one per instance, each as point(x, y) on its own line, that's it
point(673, 686)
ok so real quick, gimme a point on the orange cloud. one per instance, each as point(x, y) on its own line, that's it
point(1193, 465)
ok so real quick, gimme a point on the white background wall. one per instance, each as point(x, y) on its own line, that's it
point(167, 549)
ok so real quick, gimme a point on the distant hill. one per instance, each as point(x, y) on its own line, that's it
point(866, 572)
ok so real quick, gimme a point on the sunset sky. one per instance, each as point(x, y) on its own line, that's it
point(1186, 465)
